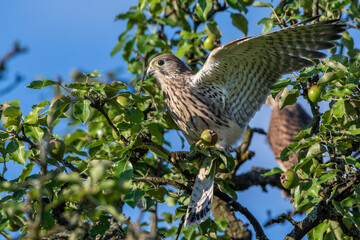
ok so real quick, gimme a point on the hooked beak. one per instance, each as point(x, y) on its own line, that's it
point(150, 71)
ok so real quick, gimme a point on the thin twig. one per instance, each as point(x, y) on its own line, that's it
point(100, 108)
point(143, 60)
point(164, 181)
point(26, 139)
point(315, 8)
point(179, 228)
point(16, 50)
point(243, 210)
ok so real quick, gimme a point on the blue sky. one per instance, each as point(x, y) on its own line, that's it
point(67, 35)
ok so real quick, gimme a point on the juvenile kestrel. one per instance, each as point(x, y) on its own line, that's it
point(231, 86)
point(284, 125)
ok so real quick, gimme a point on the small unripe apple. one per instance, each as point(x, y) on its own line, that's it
point(209, 137)
point(209, 42)
point(56, 148)
point(289, 179)
point(12, 226)
point(315, 93)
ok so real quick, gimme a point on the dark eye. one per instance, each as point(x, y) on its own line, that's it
point(160, 62)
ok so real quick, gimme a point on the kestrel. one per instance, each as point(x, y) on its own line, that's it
point(231, 86)
point(284, 125)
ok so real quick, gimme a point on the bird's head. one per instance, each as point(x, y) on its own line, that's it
point(166, 66)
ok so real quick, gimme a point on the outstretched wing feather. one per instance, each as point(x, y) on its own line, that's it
point(245, 69)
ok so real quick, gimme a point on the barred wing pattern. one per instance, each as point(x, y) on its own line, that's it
point(240, 73)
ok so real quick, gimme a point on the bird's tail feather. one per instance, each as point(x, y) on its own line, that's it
point(201, 198)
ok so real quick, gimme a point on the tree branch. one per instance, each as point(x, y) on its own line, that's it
point(235, 205)
point(164, 181)
point(243, 210)
point(255, 177)
point(323, 210)
point(16, 50)
point(179, 228)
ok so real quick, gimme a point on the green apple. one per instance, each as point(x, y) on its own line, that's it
point(209, 137)
point(289, 179)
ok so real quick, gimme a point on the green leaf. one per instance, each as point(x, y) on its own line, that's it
point(338, 207)
point(228, 161)
point(168, 217)
point(239, 21)
point(180, 211)
point(273, 171)
point(288, 97)
point(334, 65)
point(221, 224)
point(33, 115)
point(326, 177)
point(212, 28)
point(262, 4)
point(182, 49)
point(16, 151)
point(93, 74)
point(25, 172)
point(326, 78)
point(14, 103)
point(56, 109)
point(340, 58)
point(351, 160)
point(119, 45)
point(78, 85)
point(157, 152)
point(316, 149)
point(158, 194)
point(317, 233)
point(141, 4)
point(235, 4)
point(347, 40)
point(48, 220)
point(116, 85)
point(202, 9)
point(39, 84)
point(34, 132)
point(339, 108)
point(81, 110)
point(12, 111)
point(124, 170)
point(134, 115)
point(145, 43)
point(268, 25)
point(95, 143)
point(225, 188)
point(129, 46)
point(156, 132)
point(188, 35)
point(133, 197)
point(100, 229)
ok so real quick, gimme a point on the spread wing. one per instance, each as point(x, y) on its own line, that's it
point(240, 73)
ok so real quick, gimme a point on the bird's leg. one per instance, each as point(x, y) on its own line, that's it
point(179, 155)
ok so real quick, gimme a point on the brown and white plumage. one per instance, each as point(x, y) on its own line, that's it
point(231, 86)
point(284, 125)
